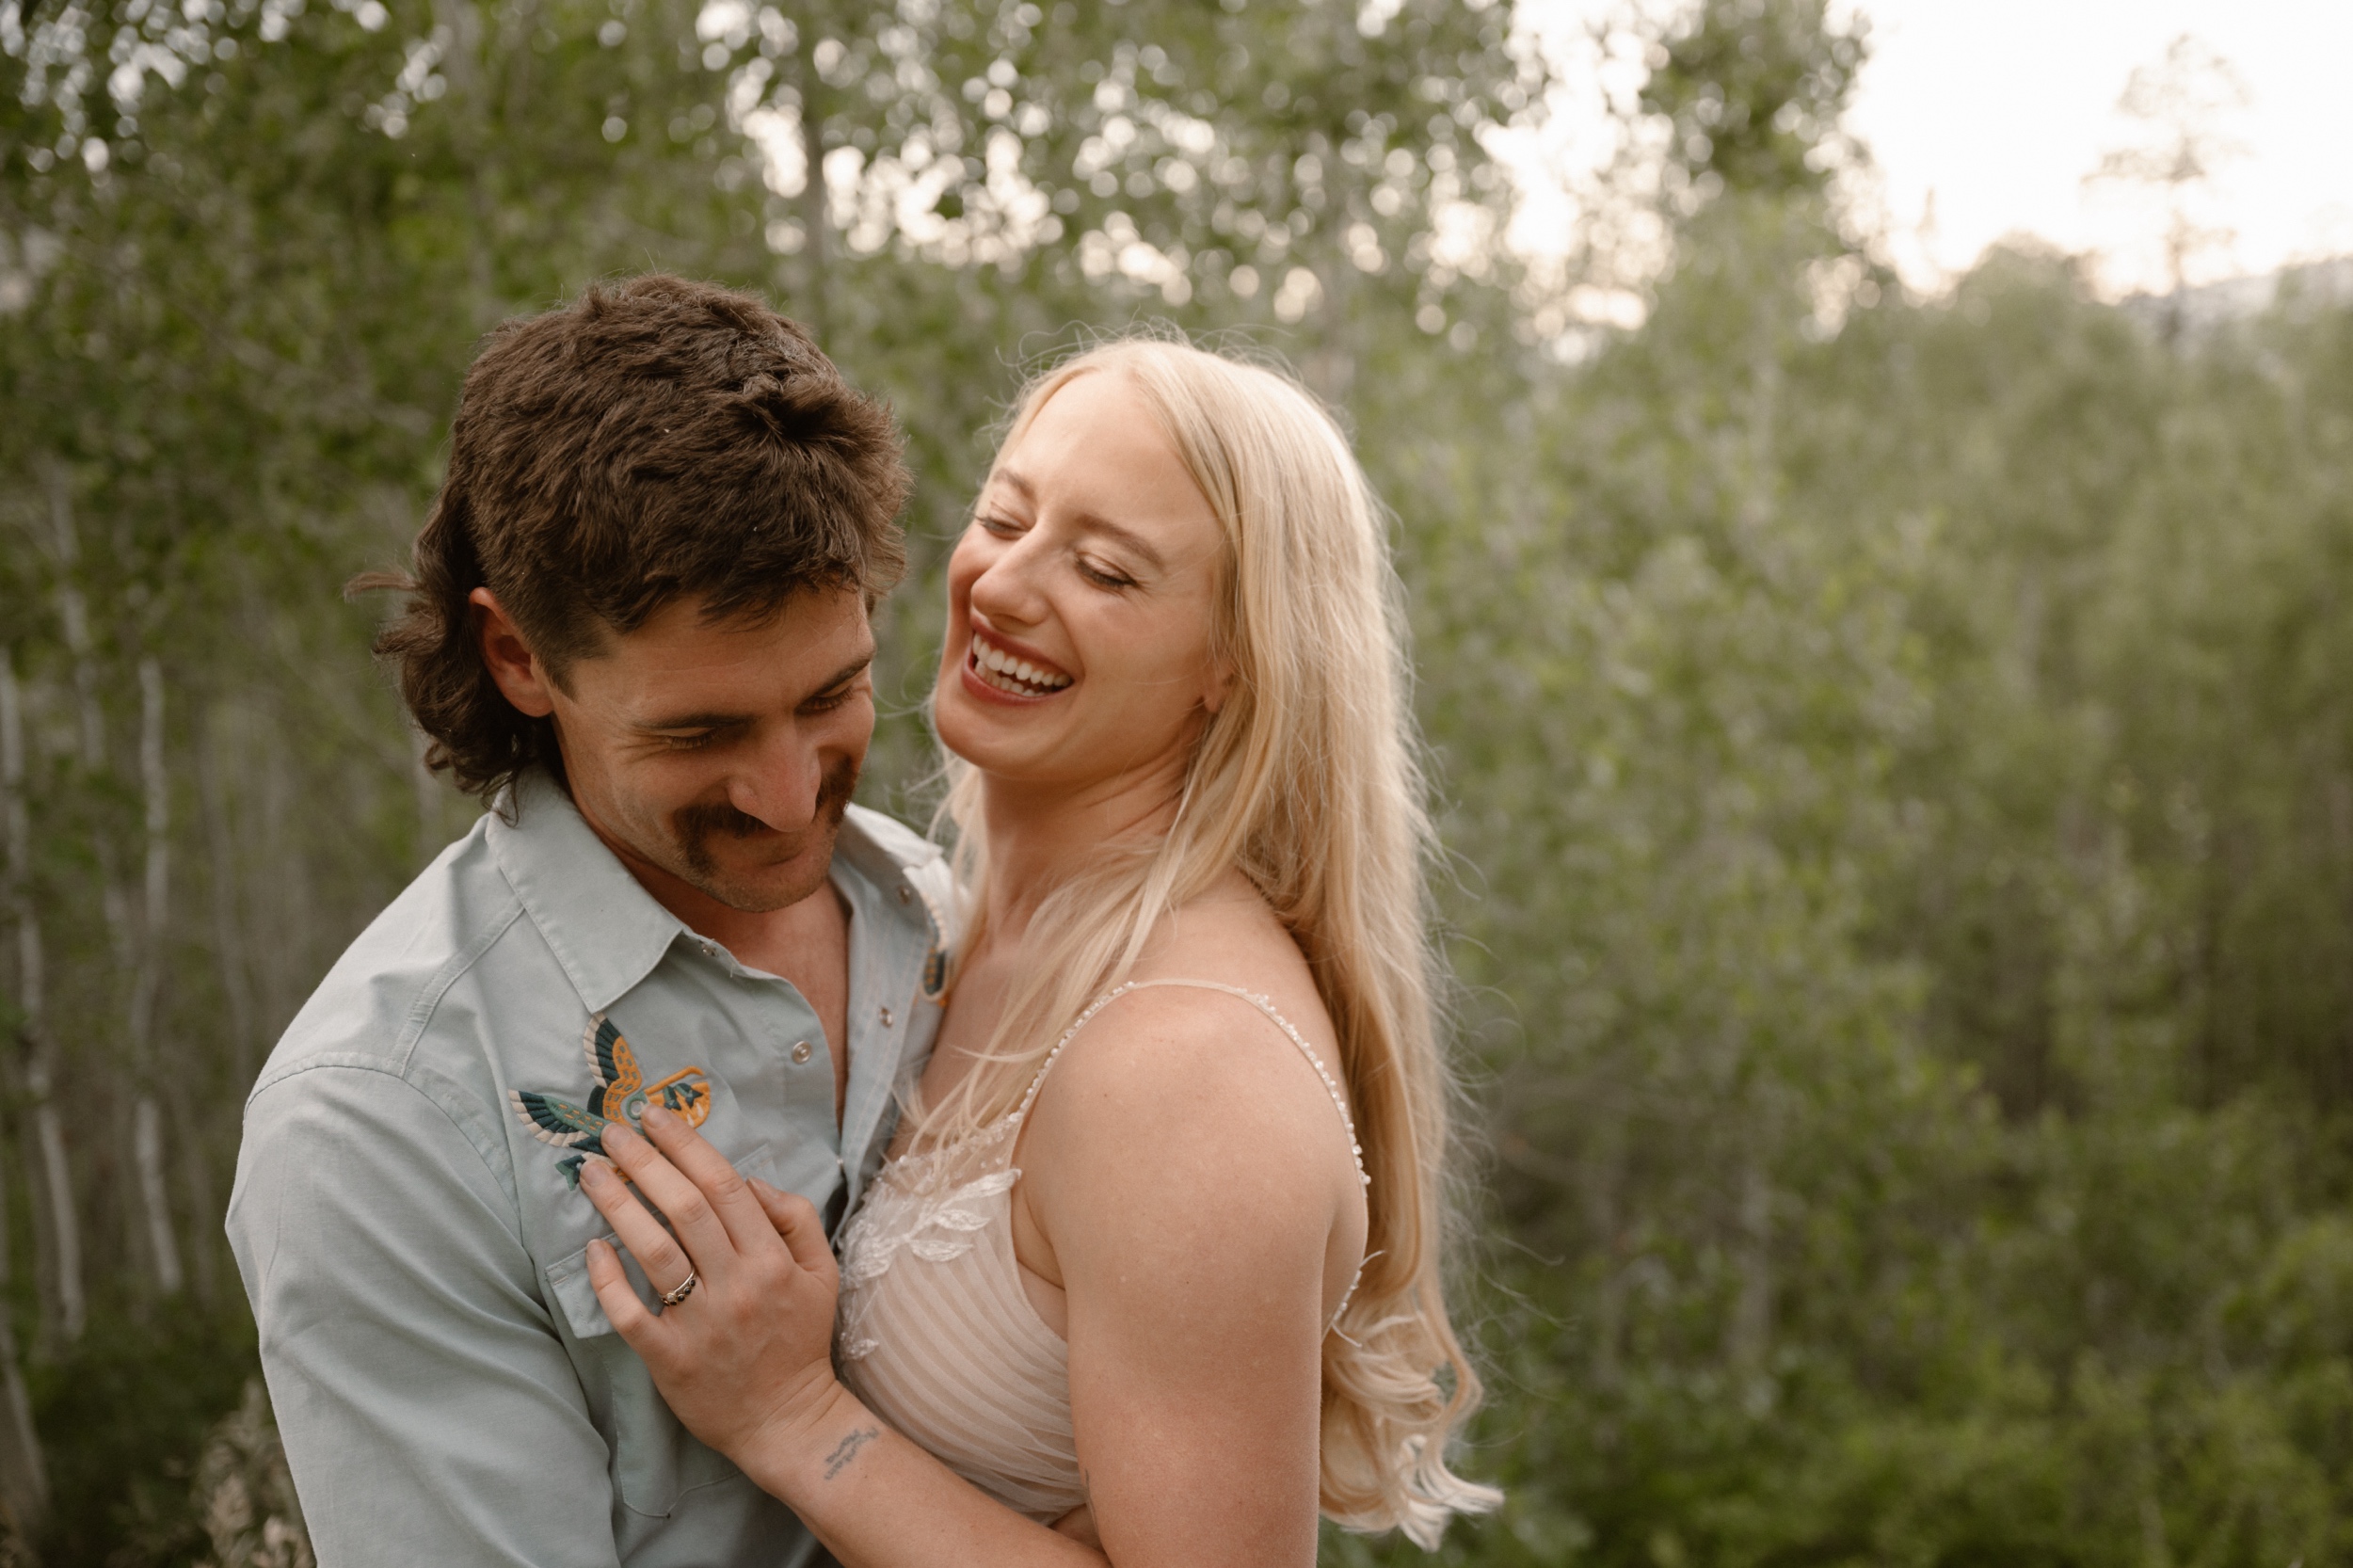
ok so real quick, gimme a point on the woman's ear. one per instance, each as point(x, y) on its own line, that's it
point(1220, 687)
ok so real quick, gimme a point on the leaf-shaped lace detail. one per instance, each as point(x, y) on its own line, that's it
point(893, 1218)
point(917, 1205)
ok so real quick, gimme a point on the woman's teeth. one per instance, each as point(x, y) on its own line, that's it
point(1017, 676)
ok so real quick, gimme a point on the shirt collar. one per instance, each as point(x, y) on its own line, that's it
point(606, 931)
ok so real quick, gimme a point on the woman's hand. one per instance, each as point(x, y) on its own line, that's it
point(746, 1360)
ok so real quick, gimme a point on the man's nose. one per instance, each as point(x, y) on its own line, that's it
point(780, 783)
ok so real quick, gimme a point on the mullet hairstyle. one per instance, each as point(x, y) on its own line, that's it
point(654, 439)
point(1308, 780)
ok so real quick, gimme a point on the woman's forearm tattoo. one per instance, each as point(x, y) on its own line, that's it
point(847, 1450)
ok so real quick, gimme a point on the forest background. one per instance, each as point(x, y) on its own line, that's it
point(1893, 750)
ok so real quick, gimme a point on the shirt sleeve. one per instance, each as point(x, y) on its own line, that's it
point(429, 1410)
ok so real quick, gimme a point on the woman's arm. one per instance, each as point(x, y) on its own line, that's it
point(1188, 1170)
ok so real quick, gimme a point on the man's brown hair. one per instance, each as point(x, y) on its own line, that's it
point(654, 438)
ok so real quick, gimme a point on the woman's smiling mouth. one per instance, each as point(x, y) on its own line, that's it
point(1002, 670)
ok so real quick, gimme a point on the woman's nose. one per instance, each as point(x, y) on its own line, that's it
point(1007, 589)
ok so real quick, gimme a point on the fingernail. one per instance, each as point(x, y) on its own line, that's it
point(660, 1115)
point(592, 1172)
point(617, 1135)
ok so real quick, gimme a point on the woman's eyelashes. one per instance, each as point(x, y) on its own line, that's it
point(1096, 573)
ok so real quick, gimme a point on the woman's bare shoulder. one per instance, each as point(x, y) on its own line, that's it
point(1229, 936)
point(1172, 1066)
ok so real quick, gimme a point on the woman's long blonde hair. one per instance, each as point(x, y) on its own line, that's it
point(1307, 781)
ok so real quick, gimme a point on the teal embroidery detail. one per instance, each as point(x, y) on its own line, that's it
point(621, 1094)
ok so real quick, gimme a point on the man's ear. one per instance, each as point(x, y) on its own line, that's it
point(520, 677)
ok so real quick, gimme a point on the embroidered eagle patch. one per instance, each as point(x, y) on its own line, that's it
point(620, 1094)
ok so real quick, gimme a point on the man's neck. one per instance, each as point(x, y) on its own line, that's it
point(806, 942)
point(759, 938)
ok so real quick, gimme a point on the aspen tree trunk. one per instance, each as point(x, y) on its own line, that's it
point(40, 1052)
point(1602, 1187)
point(73, 612)
point(23, 1480)
point(23, 1477)
point(1749, 1338)
point(801, 74)
point(147, 1118)
point(236, 978)
point(56, 1173)
point(460, 22)
point(183, 1119)
point(1751, 1334)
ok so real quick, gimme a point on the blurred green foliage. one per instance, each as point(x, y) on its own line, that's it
point(1892, 750)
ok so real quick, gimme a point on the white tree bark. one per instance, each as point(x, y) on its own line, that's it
point(146, 1122)
point(236, 979)
point(23, 1476)
point(74, 612)
point(40, 1047)
point(24, 1479)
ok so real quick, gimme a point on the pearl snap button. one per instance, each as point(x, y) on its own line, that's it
point(800, 1050)
point(886, 1012)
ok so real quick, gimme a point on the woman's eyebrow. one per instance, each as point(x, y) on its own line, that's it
point(1128, 536)
point(1014, 482)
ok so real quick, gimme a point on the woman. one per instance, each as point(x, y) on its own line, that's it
point(1152, 1276)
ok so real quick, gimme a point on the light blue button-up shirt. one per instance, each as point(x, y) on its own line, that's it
point(449, 1390)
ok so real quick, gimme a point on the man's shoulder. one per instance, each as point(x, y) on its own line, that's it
point(377, 1007)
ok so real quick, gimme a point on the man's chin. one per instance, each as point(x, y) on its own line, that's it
point(763, 890)
point(760, 879)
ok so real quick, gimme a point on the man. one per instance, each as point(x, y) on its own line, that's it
point(638, 629)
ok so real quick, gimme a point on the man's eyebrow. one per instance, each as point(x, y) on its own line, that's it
point(717, 719)
point(1089, 522)
point(709, 719)
point(847, 673)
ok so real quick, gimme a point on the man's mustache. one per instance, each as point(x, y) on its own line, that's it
point(696, 825)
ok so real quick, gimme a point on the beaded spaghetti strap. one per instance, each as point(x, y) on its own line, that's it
point(1339, 1102)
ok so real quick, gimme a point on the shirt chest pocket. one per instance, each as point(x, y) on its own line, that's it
point(654, 1458)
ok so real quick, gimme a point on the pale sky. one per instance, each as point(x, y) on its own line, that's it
point(2000, 107)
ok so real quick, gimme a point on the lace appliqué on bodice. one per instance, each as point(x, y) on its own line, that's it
point(918, 1204)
